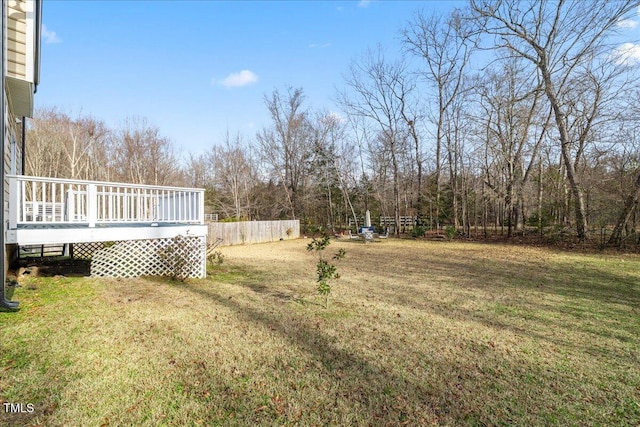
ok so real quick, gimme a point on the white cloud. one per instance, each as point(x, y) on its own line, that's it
point(364, 3)
point(49, 36)
point(318, 45)
point(242, 78)
point(627, 54)
point(627, 23)
point(336, 117)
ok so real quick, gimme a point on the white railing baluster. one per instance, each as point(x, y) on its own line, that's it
point(162, 208)
point(34, 204)
point(187, 206)
point(125, 203)
point(53, 201)
point(43, 202)
point(182, 207)
point(201, 197)
point(101, 207)
point(118, 209)
point(83, 203)
point(63, 199)
point(23, 199)
point(78, 211)
point(145, 206)
point(176, 205)
point(165, 205)
point(92, 204)
point(59, 201)
point(77, 202)
point(110, 201)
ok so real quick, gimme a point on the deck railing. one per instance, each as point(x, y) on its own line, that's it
point(37, 200)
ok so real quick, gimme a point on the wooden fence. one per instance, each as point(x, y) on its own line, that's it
point(238, 233)
point(405, 221)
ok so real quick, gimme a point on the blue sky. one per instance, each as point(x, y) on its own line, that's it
point(198, 68)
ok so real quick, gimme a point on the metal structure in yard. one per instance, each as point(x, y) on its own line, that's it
point(41, 251)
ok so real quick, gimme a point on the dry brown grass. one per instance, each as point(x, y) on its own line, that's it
point(416, 333)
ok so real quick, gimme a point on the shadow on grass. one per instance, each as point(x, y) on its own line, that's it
point(539, 302)
point(565, 280)
point(370, 394)
point(457, 390)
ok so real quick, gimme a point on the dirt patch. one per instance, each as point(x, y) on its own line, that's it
point(52, 267)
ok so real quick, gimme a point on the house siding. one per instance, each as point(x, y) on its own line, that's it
point(11, 136)
point(17, 54)
point(17, 39)
point(16, 67)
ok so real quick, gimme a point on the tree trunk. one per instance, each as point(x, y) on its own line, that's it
point(438, 171)
point(509, 202)
point(396, 190)
point(629, 206)
point(579, 206)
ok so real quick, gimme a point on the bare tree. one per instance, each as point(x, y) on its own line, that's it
point(197, 172)
point(560, 38)
point(445, 46)
point(377, 88)
point(510, 102)
point(630, 204)
point(83, 135)
point(65, 147)
point(286, 145)
point(143, 156)
point(233, 176)
point(45, 135)
point(333, 165)
point(627, 166)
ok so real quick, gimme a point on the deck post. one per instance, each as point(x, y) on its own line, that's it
point(70, 206)
point(92, 202)
point(15, 203)
point(201, 210)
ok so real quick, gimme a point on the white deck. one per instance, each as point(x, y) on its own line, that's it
point(52, 210)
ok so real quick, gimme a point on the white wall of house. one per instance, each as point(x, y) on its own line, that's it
point(20, 67)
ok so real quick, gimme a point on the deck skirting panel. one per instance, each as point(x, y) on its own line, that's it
point(178, 257)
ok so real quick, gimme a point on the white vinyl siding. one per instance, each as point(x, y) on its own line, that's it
point(17, 39)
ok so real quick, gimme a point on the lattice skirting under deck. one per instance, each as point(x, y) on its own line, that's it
point(86, 250)
point(133, 258)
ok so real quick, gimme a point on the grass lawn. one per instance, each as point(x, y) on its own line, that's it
point(416, 333)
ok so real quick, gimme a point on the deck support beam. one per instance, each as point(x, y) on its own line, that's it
point(60, 235)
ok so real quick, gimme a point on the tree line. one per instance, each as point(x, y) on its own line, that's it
point(500, 116)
